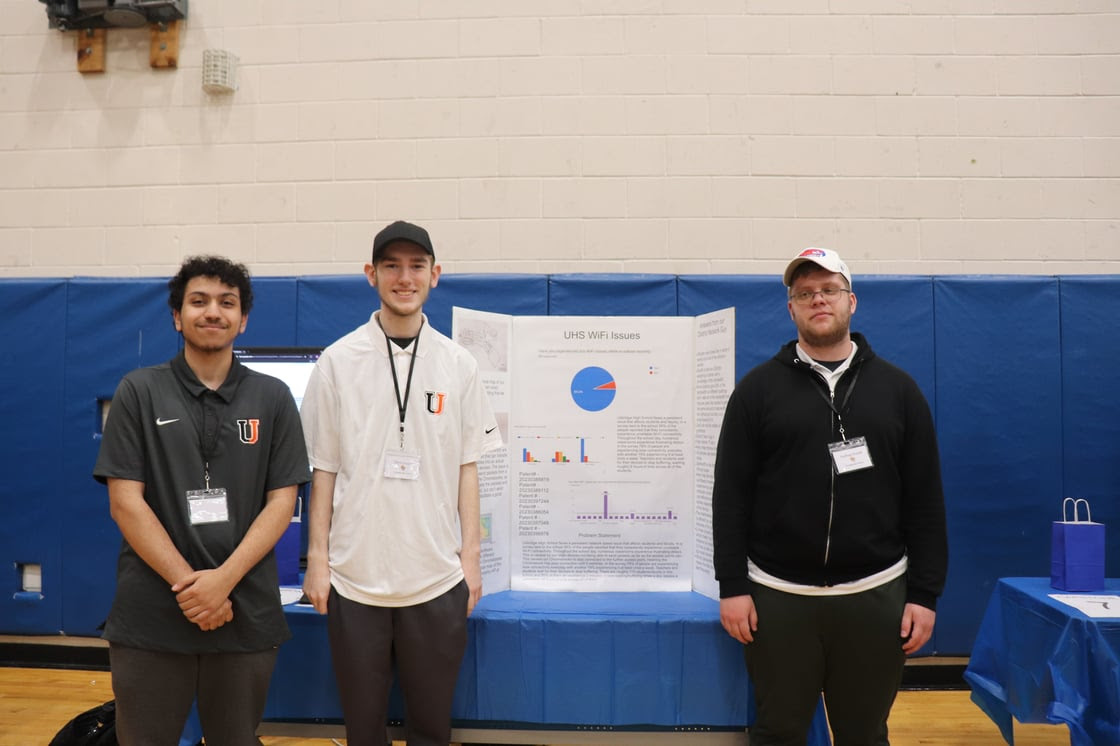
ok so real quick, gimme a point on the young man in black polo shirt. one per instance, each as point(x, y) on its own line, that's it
point(203, 458)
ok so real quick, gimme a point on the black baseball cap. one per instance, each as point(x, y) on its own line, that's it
point(401, 231)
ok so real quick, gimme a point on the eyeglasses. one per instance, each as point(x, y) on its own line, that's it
point(805, 297)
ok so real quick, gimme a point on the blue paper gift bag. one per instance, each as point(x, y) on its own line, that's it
point(1076, 550)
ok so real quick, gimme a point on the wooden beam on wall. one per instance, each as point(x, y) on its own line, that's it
point(90, 46)
point(164, 50)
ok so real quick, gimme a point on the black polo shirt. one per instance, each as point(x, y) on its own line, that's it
point(164, 428)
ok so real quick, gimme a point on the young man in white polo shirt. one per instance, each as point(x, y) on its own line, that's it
point(396, 419)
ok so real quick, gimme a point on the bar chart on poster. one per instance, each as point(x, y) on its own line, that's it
point(557, 449)
point(614, 513)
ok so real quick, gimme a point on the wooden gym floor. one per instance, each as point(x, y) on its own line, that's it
point(36, 702)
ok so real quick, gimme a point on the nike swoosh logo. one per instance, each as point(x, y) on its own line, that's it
point(490, 431)
point(161, 423)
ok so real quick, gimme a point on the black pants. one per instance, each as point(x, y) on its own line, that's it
point(154, 692)
point(845, 646)
point(426, 644)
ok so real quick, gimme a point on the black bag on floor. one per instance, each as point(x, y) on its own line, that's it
point(96, 726)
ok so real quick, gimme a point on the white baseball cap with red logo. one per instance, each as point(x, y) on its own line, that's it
point(825, 258)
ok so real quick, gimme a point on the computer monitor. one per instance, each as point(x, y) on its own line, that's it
point(292, 365)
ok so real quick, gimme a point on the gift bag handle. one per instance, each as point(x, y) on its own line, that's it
point(1078, 501)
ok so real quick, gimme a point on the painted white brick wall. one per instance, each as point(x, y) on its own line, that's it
point(682, 136)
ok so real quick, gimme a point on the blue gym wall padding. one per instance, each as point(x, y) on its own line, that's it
point(1017, 371)
point(1091, 403)
point(112, 326)
point(612, 295)
point(897, 315)
point(999, 423)
point(330, 307)
point(33, 314)
point(274, 318)
point(515, 294)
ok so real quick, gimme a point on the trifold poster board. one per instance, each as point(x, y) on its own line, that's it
point(610, 425)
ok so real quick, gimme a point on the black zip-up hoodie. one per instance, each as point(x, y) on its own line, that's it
point(778, 500)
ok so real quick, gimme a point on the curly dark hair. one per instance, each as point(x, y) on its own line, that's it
point(228, 273)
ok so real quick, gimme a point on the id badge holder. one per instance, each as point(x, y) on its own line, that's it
point(402, 465)
point(208, 506)
point(850, 455)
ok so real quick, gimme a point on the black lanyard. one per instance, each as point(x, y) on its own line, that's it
point(402, 406)
point(843, 404)
point(208, 446)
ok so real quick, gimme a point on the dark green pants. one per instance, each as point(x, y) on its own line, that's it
point(845, 646)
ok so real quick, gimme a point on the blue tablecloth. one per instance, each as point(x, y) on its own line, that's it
point(625, 660)
point(1043, 661)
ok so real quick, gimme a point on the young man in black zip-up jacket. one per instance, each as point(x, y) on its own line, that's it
point(829, 520)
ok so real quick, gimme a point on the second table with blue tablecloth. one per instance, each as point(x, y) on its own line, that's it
point(1043, 661)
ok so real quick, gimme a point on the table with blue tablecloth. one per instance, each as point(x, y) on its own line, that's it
point(1043, 661)
point(604, 663)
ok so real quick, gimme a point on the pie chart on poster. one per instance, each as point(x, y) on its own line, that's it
point(593, 389)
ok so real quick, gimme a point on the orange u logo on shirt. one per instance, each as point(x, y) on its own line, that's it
point(249, 430)
point(435, 401)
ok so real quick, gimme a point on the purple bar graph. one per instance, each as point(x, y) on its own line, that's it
point(606, 515)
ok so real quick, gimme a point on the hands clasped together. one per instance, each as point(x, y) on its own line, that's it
point(203, 597)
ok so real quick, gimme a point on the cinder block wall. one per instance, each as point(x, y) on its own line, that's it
point(675, 136)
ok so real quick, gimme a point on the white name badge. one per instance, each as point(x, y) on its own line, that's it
point(402, 465)
point(208, 506)
point(850, 455)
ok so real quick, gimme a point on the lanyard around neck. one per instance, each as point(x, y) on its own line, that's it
point(844, 404)
point(402, 405)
